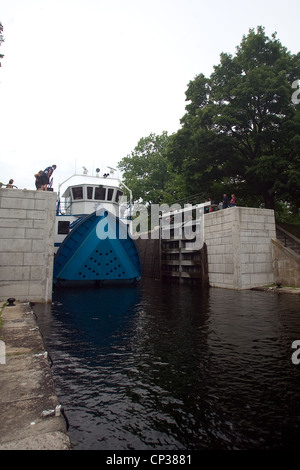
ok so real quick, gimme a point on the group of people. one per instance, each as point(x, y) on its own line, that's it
point(43, 178)
point(226, 203)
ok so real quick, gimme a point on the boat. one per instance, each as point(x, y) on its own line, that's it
point(92, 242)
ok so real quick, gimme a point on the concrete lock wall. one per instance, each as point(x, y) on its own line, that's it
point(286, 264)
point(239, 247)
point(27, 222)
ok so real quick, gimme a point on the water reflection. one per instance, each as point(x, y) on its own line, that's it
point(169, 367)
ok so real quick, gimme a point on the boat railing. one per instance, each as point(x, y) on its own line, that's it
point(64, 208)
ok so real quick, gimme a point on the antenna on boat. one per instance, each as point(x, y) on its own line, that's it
point(112, 170)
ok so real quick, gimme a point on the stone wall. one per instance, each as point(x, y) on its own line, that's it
point(239, 247)
point(286, 265)
point(27, 220)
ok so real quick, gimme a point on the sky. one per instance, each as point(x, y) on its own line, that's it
point(82, 81)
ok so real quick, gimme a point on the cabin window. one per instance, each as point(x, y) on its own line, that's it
point(90, 192)
point(100, 193)
point(119, 195)
point(110, 193)
point(63, 227)
point(77, 193)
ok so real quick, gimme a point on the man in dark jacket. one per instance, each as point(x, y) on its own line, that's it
point(47, 175)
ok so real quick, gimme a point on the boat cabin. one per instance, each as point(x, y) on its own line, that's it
point(83, 196)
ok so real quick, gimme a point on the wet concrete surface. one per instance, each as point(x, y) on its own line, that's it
point(28, 399)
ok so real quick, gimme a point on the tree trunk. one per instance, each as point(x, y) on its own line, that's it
point(269, 200)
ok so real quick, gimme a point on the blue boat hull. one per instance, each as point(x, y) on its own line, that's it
point(98, 250)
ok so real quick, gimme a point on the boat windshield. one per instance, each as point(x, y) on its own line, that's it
point(97, 193)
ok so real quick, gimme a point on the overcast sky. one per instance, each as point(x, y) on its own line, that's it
point(83, 80)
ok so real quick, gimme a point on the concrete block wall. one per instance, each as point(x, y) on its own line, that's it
point(239, 247)
point(27, 221)
point(287, 265)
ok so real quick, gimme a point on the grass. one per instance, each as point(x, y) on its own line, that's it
point(1, 308)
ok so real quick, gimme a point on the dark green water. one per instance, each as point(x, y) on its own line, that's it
point(175, 368)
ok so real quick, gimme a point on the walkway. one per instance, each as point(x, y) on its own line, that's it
point(27, 389)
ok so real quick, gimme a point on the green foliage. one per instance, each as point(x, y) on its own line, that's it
point(241, 130)
point(1, 308)
point(240, 134)
point(146, 171)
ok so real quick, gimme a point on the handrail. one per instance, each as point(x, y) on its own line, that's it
point(288, 234)
point(290, 240)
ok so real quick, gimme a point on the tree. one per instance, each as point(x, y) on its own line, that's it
point(241, 129)
point(146, 170)
point(1, 40)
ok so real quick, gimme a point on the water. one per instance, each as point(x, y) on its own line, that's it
point(170, 367)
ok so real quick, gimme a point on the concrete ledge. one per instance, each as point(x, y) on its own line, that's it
point(279, 290)
point(51, 441)
point(286, 265)
point(26, 387)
